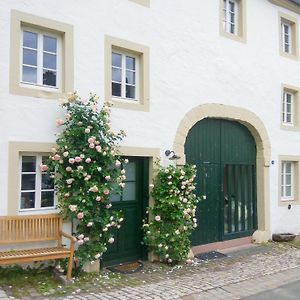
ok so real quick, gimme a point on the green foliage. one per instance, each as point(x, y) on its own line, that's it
point(173, 213)
point(86, 168)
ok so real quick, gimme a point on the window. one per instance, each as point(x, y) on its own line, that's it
point(124, 73)
point(40, 58)
point(233, 19)
point(288, 36)
point(287, 180)
point(36, 188)
point(230, 18)
point(287, 108)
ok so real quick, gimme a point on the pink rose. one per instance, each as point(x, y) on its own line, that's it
point(56, 157)
point(68, 169)
point(67, 116)
point(98, 148)
point(43, 167)
point(94, 189)
point(78, 159)
point(88, 160)
point(91, 140)
point(157, 218)
point(80, 215)
point(71, 160)
point(81, 236)
point(111, 240)
point(98, 198)
point(87, 130)
point(80, 242)
point(59, 122)
point(105, 191)
point(72, 207)
point(107, 178)
point(92, 145)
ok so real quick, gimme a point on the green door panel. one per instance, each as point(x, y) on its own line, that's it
point(132, 202)
point(225, 155)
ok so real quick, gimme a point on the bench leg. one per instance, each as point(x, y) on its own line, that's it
point(70, 265)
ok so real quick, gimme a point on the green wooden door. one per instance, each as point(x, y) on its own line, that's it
point(132, 202)
point(225, 154)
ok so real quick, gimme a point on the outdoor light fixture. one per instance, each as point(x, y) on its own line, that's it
point(171, 154)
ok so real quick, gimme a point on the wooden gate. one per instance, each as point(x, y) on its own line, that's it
point(225, 155)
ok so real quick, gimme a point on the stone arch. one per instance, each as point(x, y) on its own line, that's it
point(263, 146)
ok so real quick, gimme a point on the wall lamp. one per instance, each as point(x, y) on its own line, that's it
point(171, 154)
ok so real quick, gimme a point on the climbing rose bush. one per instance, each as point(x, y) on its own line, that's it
point(173, 214)
point(86, 168)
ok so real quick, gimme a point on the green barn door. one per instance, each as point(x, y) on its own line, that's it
point(133, 201)
point(225, 154)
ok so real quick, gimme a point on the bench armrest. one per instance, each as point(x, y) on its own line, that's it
point(71, 238)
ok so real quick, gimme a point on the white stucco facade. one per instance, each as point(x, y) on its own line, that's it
point(191, 64)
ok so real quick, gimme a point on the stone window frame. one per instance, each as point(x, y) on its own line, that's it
point(140, 51)
point(296, 171)
point(295, 91)
point(16, 149)
point(288, 19)
point(20, 19)
point(240, 35)
point(145, 3)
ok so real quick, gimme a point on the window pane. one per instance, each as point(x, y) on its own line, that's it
point(129, 191)
point(50, 44)
point(47, 182)
point(130, 91)
point(288, 179)
point(30, 39)
point(47, 199)
point(116, 74)
point(117, 60)
point(27, 200)
point(29, 57)
point(232, 28)
point(286, 29)
point(115, 197)
point(116, 89)
point(28, 164)
point(49, 78)
point(130, 77)
point(288, 190)
point(28, 182)
point(130, 169)
point(288, 167)
point(232, 18)
point(130, 63)
point(288, 118)
point(29, 74)
point(49, 61)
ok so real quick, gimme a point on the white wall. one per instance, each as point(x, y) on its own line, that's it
point(190, 64)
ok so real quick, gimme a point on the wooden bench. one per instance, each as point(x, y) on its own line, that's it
point(34, 229)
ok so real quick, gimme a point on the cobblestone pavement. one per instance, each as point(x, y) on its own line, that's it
point(243, 273)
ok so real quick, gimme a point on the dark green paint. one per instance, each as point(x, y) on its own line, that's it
point(127, 245)
point(225, 155)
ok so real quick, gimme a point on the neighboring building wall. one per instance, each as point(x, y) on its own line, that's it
point(190, 64)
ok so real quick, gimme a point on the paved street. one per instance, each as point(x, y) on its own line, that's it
point(244, 273)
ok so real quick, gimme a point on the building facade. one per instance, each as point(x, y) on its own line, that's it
point(216, 81)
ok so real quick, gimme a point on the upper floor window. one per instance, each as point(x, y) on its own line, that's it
point(288, 108)
point(37, 188)
point(230, 16)
point(233, 19)
point(124, 75)
point(288, 36)
point(40, 58)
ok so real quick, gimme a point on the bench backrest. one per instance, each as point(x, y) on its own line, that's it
point(26, 229)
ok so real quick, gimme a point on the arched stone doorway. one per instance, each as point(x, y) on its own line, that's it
point(259, 133)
